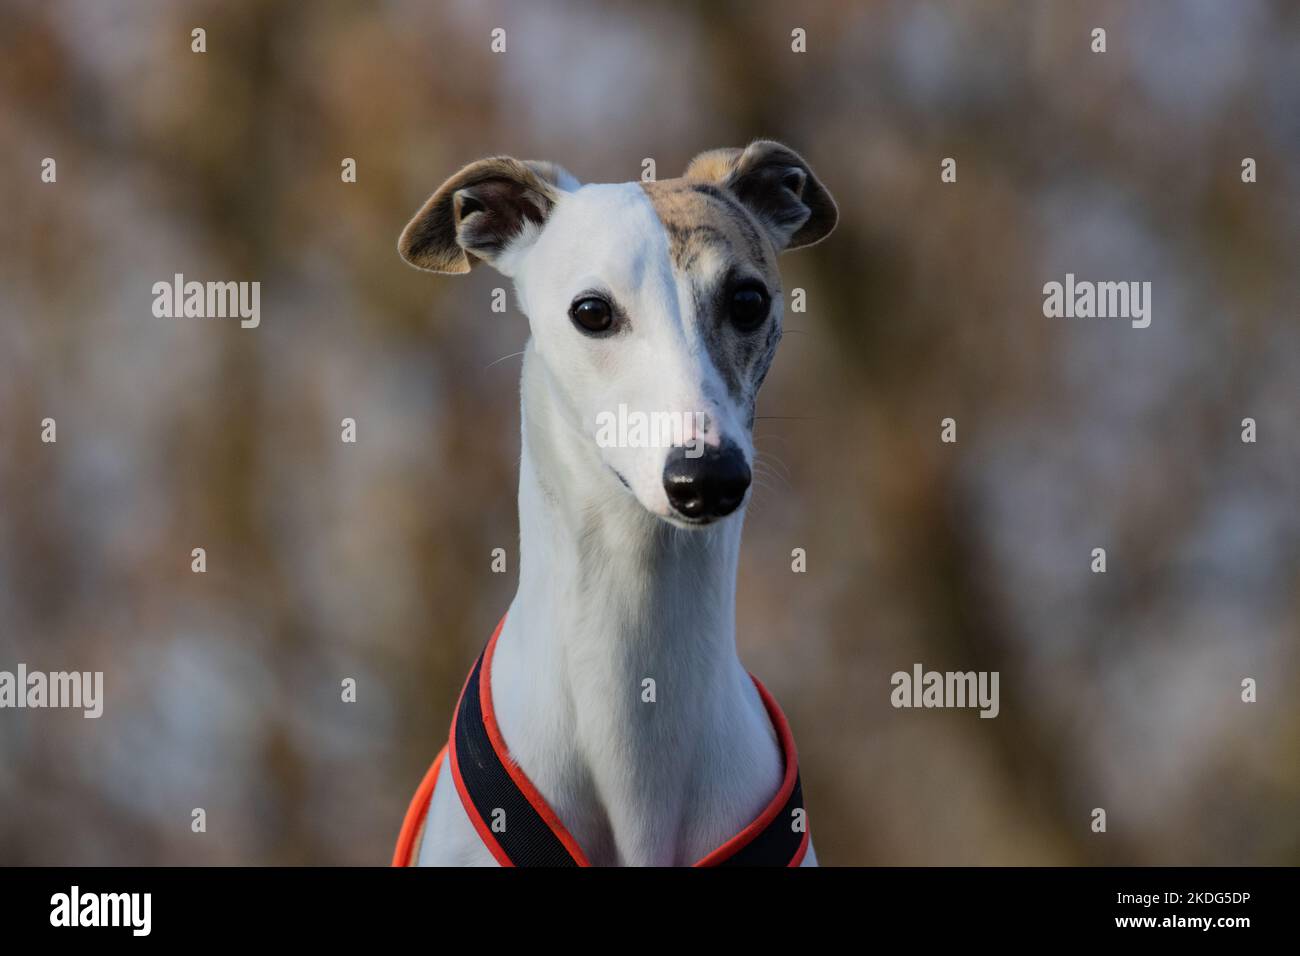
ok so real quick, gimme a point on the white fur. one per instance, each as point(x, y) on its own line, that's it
point(612, 590)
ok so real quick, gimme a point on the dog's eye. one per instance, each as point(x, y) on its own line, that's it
point(592, 314)
point(749, 307)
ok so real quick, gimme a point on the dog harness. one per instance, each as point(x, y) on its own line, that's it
point(490, 782)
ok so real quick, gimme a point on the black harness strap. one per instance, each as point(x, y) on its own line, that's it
point(525, 838)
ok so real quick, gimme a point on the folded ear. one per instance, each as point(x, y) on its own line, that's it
point(775, 184)
point(492, 209)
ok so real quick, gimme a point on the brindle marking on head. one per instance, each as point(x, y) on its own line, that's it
point(700, 218)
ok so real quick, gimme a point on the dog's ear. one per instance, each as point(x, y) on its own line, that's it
point(775, 184)
point(490, 208)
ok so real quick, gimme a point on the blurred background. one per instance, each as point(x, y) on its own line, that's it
point(327, 560)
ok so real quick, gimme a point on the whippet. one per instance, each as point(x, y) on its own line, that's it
point(610, 721)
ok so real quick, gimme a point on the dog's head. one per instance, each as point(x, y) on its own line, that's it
point(656, 307)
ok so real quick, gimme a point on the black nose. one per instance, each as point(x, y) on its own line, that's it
point(708, 486)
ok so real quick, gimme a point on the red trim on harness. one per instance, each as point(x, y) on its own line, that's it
point(764, 819)
point(416, 813)
point(418, 810)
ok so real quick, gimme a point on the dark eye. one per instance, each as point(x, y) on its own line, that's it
point(749, 306)
point(592, 314)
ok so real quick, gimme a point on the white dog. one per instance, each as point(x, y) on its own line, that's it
point(609, 721)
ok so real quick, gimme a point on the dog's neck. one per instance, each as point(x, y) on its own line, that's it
point(616, 681)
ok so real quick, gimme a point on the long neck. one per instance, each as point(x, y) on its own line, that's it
point(616, 681)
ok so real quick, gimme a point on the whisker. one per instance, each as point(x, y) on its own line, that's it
point(769, 473)
point(761, 470)
point(501, 359)
point(756, 499)
point(767, 457)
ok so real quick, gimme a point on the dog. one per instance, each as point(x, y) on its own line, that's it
point(610, 721)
